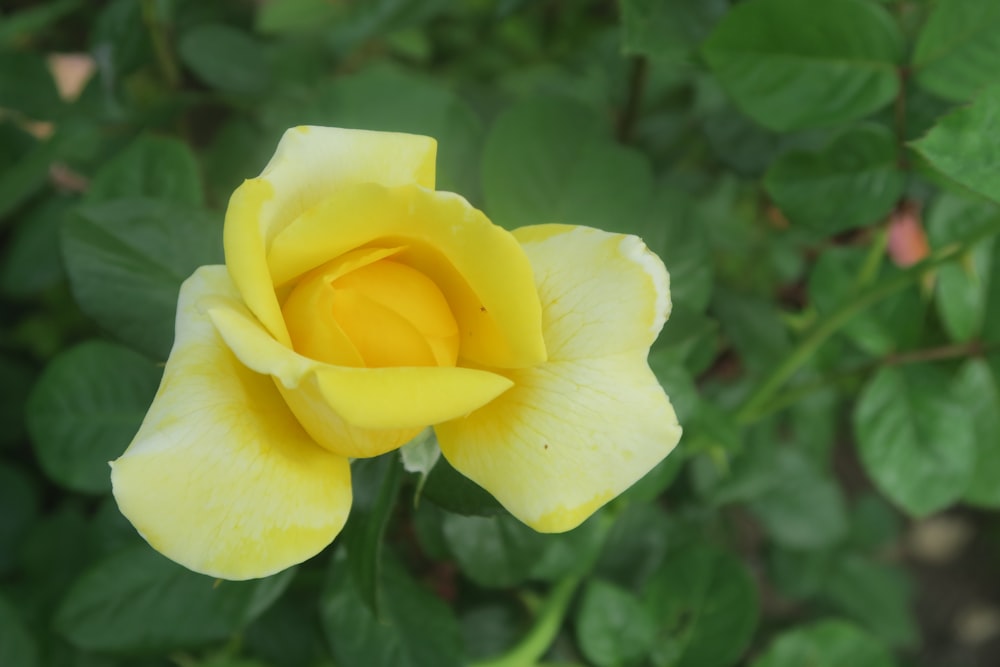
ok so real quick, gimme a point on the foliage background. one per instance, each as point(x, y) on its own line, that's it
point(820, 179)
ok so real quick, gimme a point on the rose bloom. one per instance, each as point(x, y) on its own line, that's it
point(358, 306)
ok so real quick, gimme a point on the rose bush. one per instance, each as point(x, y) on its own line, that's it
point(358, 306)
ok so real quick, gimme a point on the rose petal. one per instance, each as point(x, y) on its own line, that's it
point(576, 431)
point(479, 267)
point(567, 438)
point(310, 163)
point(355, 412)
point(602, 293)
point(221, 477)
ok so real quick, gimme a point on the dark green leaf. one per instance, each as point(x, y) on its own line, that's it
point(957, 47)
point(225, 58)
point(19, 503)
point(126, 260)
point(790, 64)
point(915, 437)
point(376, 484)
point(876, 595)
point(667, 29)
point(964, 144)
point(493, 551)
point(137, 600)
point(17, 646)
point(153, 167)
point(453, 491)
point(27, 22)
point(825, 644)
point(16, 378)
point(31, 260)
point(416, 628)
point(84, 410)
point(853, 182)
point(27, 86)
point(612, 626)
point(553, 160)
point(704, 604)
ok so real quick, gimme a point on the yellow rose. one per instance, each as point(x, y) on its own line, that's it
point(358, 306)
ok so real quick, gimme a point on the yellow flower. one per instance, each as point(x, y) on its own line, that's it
point(358, 306)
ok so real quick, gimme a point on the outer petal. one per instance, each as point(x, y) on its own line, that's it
point(221, 477)
point(601, 293)
point(355, 412)
point(480, 268)
point(576, 431)
point(309, 163)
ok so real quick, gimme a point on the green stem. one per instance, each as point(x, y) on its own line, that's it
point(161, 45)
point(807, 347)
point(550, 617)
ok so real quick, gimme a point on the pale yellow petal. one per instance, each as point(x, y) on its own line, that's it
point(221, 477)
point(479, 267)
point(309, 164)
point(355, 412)
point(566, 439)
point(601, 293)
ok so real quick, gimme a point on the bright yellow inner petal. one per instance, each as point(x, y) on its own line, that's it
point(366, 310)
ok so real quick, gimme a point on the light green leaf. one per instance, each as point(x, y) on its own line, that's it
point(416, 628)
point(225, 58)
point(790, 64)
point(957, 48)
point(915, 438)
point(126, 261)
point(825, 644)
point(550, 160)
point(964, 144)
point(138, 601)
point(705, 605)
point(977, 389)
point(612, 626)
point(84, 410)
point(961, 288)
point(853, 182)
point(151, 166)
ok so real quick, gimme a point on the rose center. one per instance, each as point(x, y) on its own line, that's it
point(364, 309)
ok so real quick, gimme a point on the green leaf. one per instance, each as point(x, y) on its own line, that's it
point(915, 438)
point(802, 507)
point(675, 229)
point(16, 378)
point(962, 288)
point(876, 595)
point(138, 601)
point(419, 456)
point(17, 646)
point(84, 410)
point(754, 326)
point(976, 388)
point(853, 182)
point(705, 606)
point(376, 486)
point(225, 58)
point(825, 644)
point(126, 261)
point(612, 626)
point(790, 64)
point(27, 86)
point(292, 16)
point(494, 552)
point(33, 19)
point(668, 30)
point(964, 144)
point(635, 545)
point(957, 47)
point(416, 629)
point(151, 166)
point(31, 260)
point(19, 504)
point(551, 160)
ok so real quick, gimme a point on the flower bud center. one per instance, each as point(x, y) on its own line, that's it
point(365, 309)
